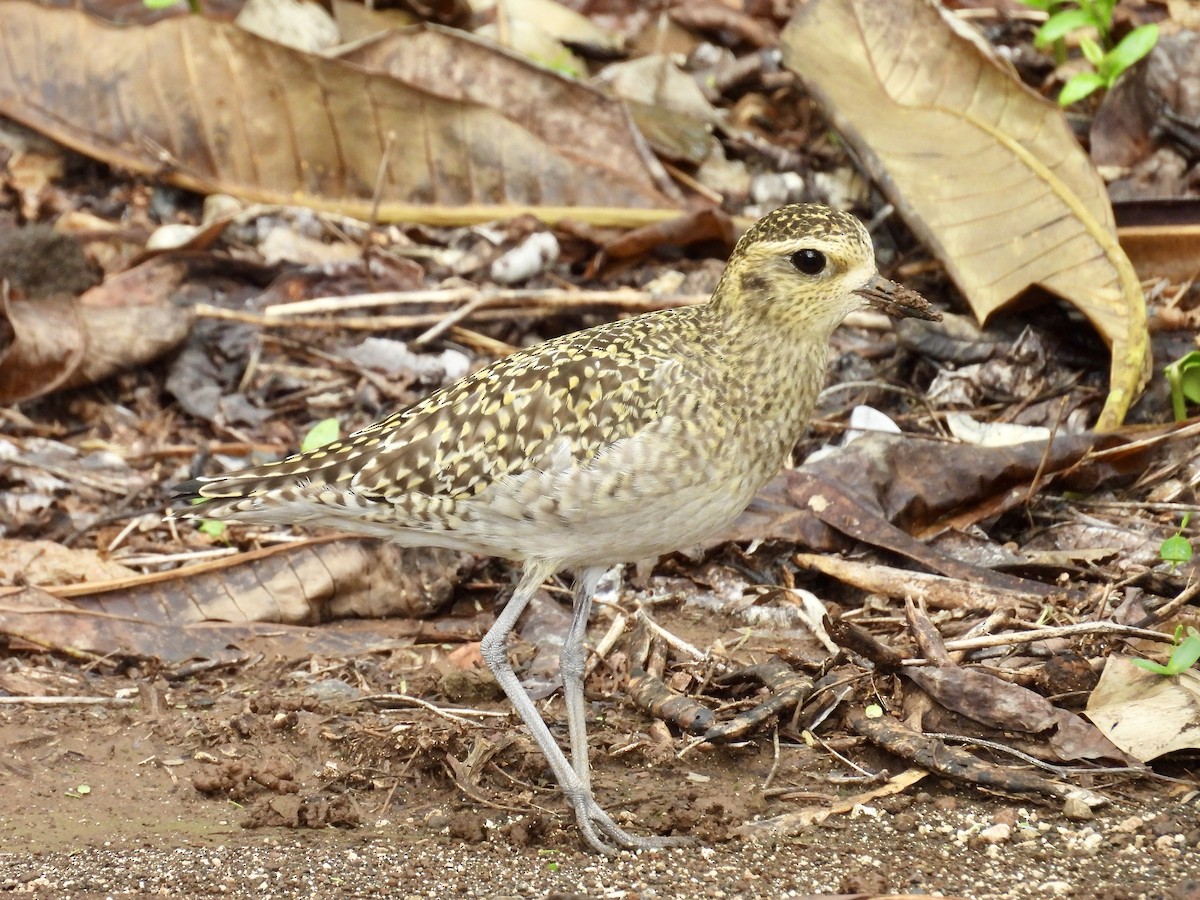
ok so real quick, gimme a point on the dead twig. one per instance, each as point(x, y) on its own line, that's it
point(794, 822)
point(43, 700)
point(673, 640)
point(558, 298)
point(935, 756)
point(936, 591)
point(997, 747)
point(1042, 634)
point(1168, 609)
point(606, 644)
point(458, 715)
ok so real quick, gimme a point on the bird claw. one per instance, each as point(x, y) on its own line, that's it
point(594, 821)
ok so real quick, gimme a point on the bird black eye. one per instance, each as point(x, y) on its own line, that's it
point(808, 261)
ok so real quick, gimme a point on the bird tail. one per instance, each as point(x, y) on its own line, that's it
point(251, 495)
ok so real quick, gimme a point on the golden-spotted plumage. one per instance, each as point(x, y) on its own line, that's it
point(613, 444)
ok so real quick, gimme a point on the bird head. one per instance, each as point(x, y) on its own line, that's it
point(806, 267)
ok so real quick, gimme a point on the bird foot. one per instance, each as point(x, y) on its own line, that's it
point(596, 825)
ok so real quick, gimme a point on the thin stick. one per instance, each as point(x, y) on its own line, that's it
point(1040, 763)
point(481, 342)
point(775, 760)
point(1042, 634)
point(317, 305)
point(1169, 608)
point(624, 298)
point(674, 640)
point(42, 700)
point(615, 630)
point(450, 319)
point(454, 714)
point(152, 559)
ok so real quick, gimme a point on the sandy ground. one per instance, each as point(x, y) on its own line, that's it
point(256, 784)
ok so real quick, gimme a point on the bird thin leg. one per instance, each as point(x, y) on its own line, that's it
point(591, 818)
point(571, 663)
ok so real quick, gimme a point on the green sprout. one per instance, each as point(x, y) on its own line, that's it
point(324, 432)
point(1108, 60)
point(213, 528)
point(193, 5)
point(1183, 376)
point(1183, 656)
point(1177, 550)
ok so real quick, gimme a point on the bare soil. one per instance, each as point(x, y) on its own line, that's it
point(279, 780)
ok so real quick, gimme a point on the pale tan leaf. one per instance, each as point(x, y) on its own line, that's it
point(1146, 714)
point(984, 170)
point(213, 108)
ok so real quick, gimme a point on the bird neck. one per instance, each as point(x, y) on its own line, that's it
point(768, 336)
point(774, 371)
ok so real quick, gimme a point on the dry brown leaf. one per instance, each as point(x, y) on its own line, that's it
point(48, 562)
point(37, 617)
point(205, 609)
point(311, 581)
point(994, 702)
point(1146, 714)
point(62, 341)
point(578, 121)
point(47, 346)
point(212, 108)
point(357, 21)
point(985, 171)
point(1164, 251)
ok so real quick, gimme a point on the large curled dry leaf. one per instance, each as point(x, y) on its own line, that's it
point(62, 341)
point(210, 107)
point(985, 171)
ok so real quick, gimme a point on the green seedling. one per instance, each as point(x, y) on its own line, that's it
point(193, 5)
point(1108, 60)
point(324, 432)
point(1177, 550)
point(1183, 376)
point(1183, 656)
point(213, 528)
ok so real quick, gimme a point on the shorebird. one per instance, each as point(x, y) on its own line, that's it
point(618, 443)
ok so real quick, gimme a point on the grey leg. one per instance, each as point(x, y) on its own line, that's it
point(593, 821)
point(571, 663)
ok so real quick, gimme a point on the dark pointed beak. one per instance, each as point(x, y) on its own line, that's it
point(897, 300)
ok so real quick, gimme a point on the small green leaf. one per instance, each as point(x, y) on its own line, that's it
point(1183, 376)
point(1059, 26)
point(1132, 48)
point(1100, 12)
point(1092, 52)
point(1078, 87)
point(212, 528)
point(159, 4)
point(1185, 655)
point(1151, 666)
point(324, 432)
point(1189, 375)
point(1044, 5)
point(1176, 550)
